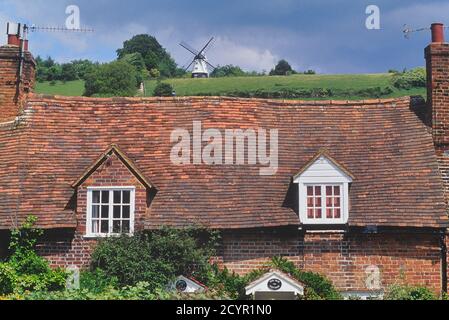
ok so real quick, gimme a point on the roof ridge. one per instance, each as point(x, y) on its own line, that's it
point(44, 97)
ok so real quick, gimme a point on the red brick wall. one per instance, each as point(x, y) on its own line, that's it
point(412, 258)
point(77, 250)
point(408, 258)
point(10, 104)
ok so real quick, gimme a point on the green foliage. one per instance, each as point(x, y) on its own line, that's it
point(163, 89)
point(49, 70)
point(156, 257)
point(25, 270)
point(282, 68)
point(140, 291)
point(117, 78)
point(224, 282)
point(136, 60)
point(317, 285)
point(227, 71)
point(97, 281)
point(154, 55)
point(415, 78)
point(406, 292)
point(7, 278)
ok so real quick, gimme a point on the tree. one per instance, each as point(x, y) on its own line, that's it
point(117, 78)
point(163, 89)
point(154, 55)
point(282, 68)
point(228, 71)
point(136, 60)
point(68, 72)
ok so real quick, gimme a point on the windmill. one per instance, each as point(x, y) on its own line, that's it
point(199, 62)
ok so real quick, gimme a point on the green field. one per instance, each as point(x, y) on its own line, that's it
point(340, 87)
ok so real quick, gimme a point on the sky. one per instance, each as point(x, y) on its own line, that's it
point(326, 36)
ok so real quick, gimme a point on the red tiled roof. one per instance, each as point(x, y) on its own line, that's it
point(381, 142)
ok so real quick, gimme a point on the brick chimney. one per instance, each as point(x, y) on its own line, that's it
point(17, 74)
point(437, 61)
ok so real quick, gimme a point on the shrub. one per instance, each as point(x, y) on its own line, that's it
point(415, 78)
point(7, 278)
point(25, 270)
point(97, 281)
point(406, 292)
point(156, 257)
point(163, 89)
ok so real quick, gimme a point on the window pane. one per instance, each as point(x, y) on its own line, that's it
point(117, 197)
point(95, 226)
point(318, 202)
point(117, 212)
point(125, 212)
point(329, 214)
point(125, 226)
point(328, 190)
point(337, 214)
point(105, 197)
point(126, 196)
point(104, 226)
point(318, 190)
point(95, 211)
point(116, 226)
point(337, 202)
point(337, 191)
point(310, 191)
point(318, 213)
point(96, 196)
point(105, 211)
point(328, 201)
point(310, 213)
point(310, 202)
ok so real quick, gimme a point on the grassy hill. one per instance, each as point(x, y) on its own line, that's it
point(339, 87)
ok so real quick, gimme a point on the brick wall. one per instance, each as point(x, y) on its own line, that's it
point(413, 258)
point(345, 259)
point(11, 103)
point(76, 249)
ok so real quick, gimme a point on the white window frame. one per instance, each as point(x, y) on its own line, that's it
point(89, 233)
point(344, 202)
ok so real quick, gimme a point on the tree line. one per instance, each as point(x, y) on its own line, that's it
point(141, 58)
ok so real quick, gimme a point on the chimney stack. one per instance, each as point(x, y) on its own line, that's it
point(437, 65)
point(17, 73)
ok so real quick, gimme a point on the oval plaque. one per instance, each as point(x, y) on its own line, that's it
point(274, 284)
point(181, 285)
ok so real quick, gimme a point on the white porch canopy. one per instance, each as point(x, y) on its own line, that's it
point(275, 285)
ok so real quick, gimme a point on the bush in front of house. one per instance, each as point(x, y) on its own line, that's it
point(407, 292)
point(155, 257)
point(24, 270)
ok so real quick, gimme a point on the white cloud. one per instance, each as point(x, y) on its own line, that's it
point(225, 51)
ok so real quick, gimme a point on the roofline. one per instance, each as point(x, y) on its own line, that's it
point(125, 160)
point(114, 100)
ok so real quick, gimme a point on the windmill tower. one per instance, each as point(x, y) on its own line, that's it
point(200, 64)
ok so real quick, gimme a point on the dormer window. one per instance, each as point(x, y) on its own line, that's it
point(323, 191)
point(110, 211)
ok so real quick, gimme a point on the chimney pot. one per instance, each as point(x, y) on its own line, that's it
point(437, 32)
